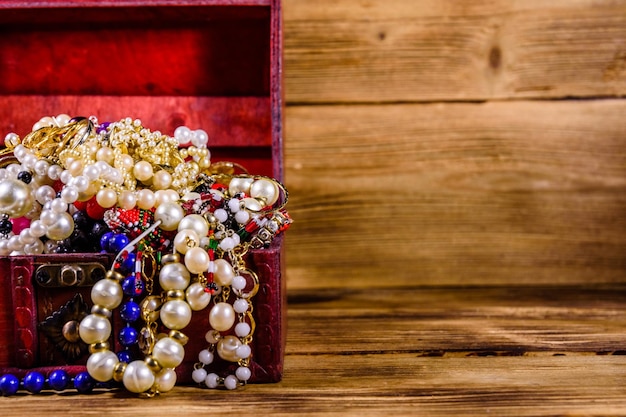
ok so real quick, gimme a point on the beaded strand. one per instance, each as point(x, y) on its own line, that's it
point(58, 380)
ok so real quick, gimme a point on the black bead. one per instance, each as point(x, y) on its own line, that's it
point(81, 221)
point(25, 176)
point(6, 226)
point(97, 230)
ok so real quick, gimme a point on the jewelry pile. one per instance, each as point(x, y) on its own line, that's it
point(177, 228)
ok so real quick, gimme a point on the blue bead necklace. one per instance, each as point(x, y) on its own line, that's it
point(57, 380)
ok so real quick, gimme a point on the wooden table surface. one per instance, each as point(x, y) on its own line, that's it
point(535, 351)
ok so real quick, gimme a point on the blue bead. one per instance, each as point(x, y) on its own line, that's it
point(9, 384)
point(84, 383)
point(128, 336)
point(129, 288)
point(58, 380)
point(125, 356)
point(118, 242)
point(34, 382)
point(129, 263)
point(130, 311)
point(105, 241)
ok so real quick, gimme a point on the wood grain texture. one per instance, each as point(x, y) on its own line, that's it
point(323, 380)
point(403, 50)
point(510, 193)
point(459, 322)
point(385, 384)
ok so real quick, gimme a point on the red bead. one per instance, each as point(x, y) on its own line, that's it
point(80, 205)
point(94, 210)
point(58, 186)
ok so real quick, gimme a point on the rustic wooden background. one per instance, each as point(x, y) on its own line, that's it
point(447, 142)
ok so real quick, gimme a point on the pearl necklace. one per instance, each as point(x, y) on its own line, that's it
point(208, 221)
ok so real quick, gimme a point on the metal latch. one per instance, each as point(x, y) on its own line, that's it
point(69, 275)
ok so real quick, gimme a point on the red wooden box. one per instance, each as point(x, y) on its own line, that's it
point(207, 64)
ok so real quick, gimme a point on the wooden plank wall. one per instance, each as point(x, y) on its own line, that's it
point(451, 142)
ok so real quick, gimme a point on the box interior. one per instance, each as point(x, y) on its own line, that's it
point(203, 66)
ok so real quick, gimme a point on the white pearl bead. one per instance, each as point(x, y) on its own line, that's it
point(165, 380)
point(231, 382)
point(224, 272)
point(12, 139)
point(242, 217)
point(197, 298)
point(123, 162)
point(221, 215)
point(227, 244)
point(197, 260)
point(41, 167)
point(175, 314)
point(168, 352)
point(69, 194)
point(115, 176)
point(100, 365)
point(75, 168)
point(222, 317)
point(82, 184)
point(94, 329)
point(239, 283)
point(62, 228)
point(4, 248)
point(200, 139)
point(106, 198)
point(196, 223)
point(174, 276)
point(161, 180)
point(107, 293)
point(34, 248)
point(66, 177)
point(138, 377)
point(240, 185)
point(47, 218)
point(185, 240)
point(15, 198)
point(44, 194)
point(62, 119)
point(206, 357)
point(26, 237)
point(37, 228)
point(145, 199)
point(91, 172)
point(127, 200)
point(233, 205)
point(212, 380)
point(243, 352)
point(143, 171)
point(240, 305)
point(227, 348)
point(199, 375)
point(170, 214)
point(242, 329)
point(105, 154)
point(183, 135)
point(29, 162)
point(15, 244)
point(243, 373)
point(59, 206)
point(265, 189)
